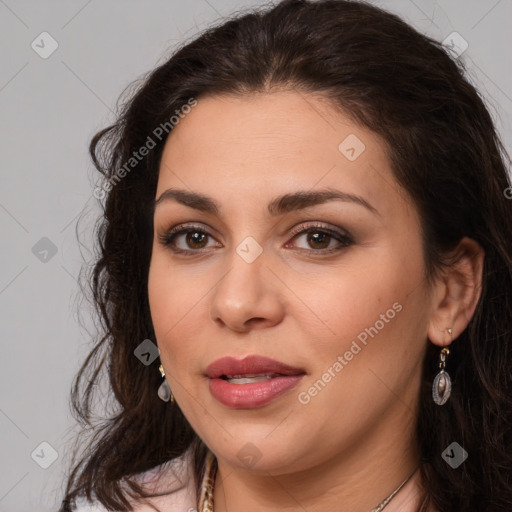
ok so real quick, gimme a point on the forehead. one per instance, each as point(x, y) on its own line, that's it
point(281, 124)
point(270, 143)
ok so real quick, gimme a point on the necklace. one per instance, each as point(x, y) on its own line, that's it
point(206, 496)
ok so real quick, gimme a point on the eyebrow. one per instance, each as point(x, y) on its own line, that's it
point(278, 206)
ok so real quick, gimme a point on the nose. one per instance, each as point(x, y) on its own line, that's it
point(247, 296)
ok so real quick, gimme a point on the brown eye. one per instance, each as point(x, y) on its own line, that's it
point(319, 238)
point(194, 239)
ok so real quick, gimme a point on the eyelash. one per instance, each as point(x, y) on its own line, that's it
point(167, 238)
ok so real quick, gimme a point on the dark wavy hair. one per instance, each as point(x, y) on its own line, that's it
point(444, 151)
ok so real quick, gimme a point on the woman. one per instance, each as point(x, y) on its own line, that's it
point(306, 212)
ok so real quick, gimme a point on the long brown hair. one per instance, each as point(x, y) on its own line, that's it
point(444, 151)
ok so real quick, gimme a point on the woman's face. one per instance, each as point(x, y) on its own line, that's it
point(344, 305)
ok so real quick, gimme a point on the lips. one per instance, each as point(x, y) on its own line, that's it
point(250, 366)
point(252, 382)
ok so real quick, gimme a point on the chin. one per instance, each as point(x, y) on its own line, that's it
point(257, 454)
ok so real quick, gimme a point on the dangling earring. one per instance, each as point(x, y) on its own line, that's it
point(164, 391)
point(442, 385)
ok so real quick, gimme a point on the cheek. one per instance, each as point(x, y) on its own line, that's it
point(176, 301)
point(372, 310)
point(353, 296)
point(166, 300)
point(161, 295)
point(172, 291)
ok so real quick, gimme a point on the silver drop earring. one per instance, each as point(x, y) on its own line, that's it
point(442, 385)
point(164, 391)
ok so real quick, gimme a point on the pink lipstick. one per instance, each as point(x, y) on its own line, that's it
point(250, 382)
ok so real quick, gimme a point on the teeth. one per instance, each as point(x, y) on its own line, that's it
point(248, 379)
point(249, 375)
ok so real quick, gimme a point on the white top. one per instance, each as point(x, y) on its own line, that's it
point(176, 475)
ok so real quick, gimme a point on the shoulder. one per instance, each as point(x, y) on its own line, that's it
point(175, 477)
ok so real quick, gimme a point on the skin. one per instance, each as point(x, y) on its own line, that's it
point(353, 443)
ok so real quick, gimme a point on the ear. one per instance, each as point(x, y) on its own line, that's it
point(456, 293)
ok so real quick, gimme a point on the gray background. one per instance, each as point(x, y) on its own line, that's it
point(50, 108)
